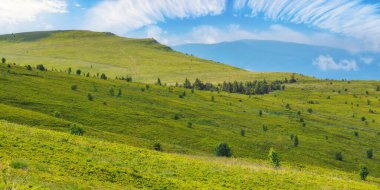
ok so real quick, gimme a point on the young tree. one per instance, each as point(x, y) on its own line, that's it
point(310, 110)
point(212, 98)
point(112, 92)
point(119, 93)
point(189, 125)
point(74, 87)
point(28, 67)
point(69, 70)
point(260, 113)
point(41, 67)
point(242, 132)
point(274, 158)
point(339, 156)
point(3, 60)
point(159, 81)
point(90, 97)
point(296, 141)
point(378, 88)
point(78, 72)
point(370, 154)
point(103, 76)
point(363, 172)
point(223, 150)
point(76, 130)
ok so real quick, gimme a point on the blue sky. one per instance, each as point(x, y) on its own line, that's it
point(349, 24)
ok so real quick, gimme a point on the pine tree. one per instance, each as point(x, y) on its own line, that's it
point(223, 150)
point(296, 141)
point(78, 72)
point(158, 81)
point(274, 158)
point(3, 60)
point(363, 172)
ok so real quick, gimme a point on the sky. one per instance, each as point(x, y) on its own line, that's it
point(353, 25)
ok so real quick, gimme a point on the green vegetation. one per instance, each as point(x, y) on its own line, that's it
point(104, 134)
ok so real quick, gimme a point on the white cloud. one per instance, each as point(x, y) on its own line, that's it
point(348, 17)
point(367, 60)
point(121, 16)
point(21, 13)
point(326, 62)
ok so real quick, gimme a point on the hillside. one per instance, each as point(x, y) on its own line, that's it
point(146, 114)
point(43, 159)
point(93, 52)
point(269, 56)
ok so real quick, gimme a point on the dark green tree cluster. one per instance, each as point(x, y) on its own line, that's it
point(76, 130)
point(251, 87)
point(223, 150)
point(41, 67)
point(127, 78)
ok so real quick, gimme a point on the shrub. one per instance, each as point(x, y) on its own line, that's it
point(242, 132)
point(103, 76)
point(356, 134)
point(119, 93)
point(310, 110)
point(378, 88)
point(19, 165)
point(296, 141)
point(41, 67)
point(79, 72)
point(274, 158)
point(363, 118)
point(74, 87)
point(57, 114)
point(177, 116)
point(3, 60)
point(76, 130)
point(212, 98)
point(363, 172)
point(189, 125)
point(158, 81)
point(28, 67)
point(157, 147)
point(265, 128)
point(370, 154)
point(90, 97)
point(147, 87)
point(339, 156)
point(69, 70)
point(223, 150)
point(291, 136)
point(260, 113)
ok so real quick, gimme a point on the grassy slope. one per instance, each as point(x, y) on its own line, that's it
point(144, 59)
point(141, 118)
point(55, 160)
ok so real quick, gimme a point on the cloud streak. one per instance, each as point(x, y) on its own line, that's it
point(326, 63)
point(348, 17)
point(126, 15)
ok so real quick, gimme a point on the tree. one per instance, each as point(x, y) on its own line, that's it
point(363, 172)
point(260, 113)
point(79, 72)
point(223, 150)
point(189, 125)
point(41, 67)
point(57, 114)
point(296, 141)
point(310, 110)
point(69, 70)
point(157, 147)
point(356, 134)
point(119, 93)
point(28, 67)
point(274, 158)
point(242, 132)
point(212, 98)
point(112, 92)
point(339, 156)
point(370, 154)
point(3, 60)
point(187, 84)
point(159, 81)
point(74, 87)
point(378, 88)
point(90, 97)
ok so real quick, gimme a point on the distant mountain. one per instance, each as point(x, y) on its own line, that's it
point(275, 56)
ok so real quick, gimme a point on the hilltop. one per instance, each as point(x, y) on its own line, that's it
point(102, 52)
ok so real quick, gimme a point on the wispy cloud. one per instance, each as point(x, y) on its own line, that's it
point(14, 14)
point(367, 60)
point(348, 17)
point(326, 62)
point(125, 15)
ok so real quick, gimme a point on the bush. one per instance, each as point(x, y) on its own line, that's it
point(339, 156)
point(112, 92)
point(310, 110)
point(356, 134)
point(119, 93)
point(370, 154)
point(157, 147)
point(189, 125)
point(265, 128)
point(260, 113)
point(79, 72)
point(41, 67)
point(3, 60)
point(177, 116)
point(274, 158)
point(19, 165)
point(57, 114)
point(363, 172)
point(212, 98)
point(223, 150)
point(74, 87)
point(90, 97)
point(76, 130)
point(103, 76)
point(28, 67)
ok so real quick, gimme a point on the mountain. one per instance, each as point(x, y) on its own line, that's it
point(101, 52)
point(275, 56)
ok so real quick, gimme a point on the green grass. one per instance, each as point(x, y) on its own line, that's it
point(94, 52)
point(61, 161)
point(142, 118)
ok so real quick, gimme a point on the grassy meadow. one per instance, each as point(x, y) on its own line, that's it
point(122, 122)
